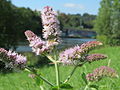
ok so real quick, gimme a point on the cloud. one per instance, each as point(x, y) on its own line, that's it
point(72, 5)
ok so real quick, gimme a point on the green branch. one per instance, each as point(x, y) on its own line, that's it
point(70, 75)
point(41, 77)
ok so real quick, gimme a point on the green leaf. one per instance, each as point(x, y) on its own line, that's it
point(66, 86)
point(84, 78)
point(54, 88)
point(27, 70)
point(94, 86)
point(38, 81)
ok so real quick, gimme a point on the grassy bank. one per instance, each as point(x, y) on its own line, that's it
point(21, 81)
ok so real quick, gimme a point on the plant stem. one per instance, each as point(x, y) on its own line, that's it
point(57, 74)
point(50, 58)
point(41, 88)
point(68, 78)
point(45, 80)
point(109, 62)
point(87, 86)
point(41, 77)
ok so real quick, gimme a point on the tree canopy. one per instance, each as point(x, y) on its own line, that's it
point(108, 22)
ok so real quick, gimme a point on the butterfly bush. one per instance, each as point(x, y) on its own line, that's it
point(12, 59)
point(100, 72)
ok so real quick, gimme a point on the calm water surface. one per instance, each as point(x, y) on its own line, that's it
point(67, 42)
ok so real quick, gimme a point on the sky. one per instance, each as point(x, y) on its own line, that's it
point(65, 6)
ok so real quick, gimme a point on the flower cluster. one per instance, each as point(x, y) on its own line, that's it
point(12, 59)
point(86, 47)
point(3, 53)
point(94, 57)
point(70, 56)
point(50, 22)
point(51, 33)
point(100, 72)
point(77, 53)
point(38, 46)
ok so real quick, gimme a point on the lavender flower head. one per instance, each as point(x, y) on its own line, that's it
point(95, 57)
point(12, 59)
point(103, 71)
point(78, 53)
point(70, 56)
point(38, 46)
point(51, 27)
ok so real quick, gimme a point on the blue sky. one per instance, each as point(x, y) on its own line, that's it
point(66, 6)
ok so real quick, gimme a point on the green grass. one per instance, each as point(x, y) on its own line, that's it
point(21, 81)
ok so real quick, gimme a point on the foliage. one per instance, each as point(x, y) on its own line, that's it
point(77, 21)
point(8, 34)
point(14, 21)
point(107, 22)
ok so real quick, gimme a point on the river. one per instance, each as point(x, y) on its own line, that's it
point(66, 42)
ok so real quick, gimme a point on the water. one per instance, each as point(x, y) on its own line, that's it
point(67, 42)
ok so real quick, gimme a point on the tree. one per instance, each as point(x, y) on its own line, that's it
point(15, 21)
point(115, 22)
point(8, 34)
point(27, 20)
point(103, 26)
point(77, 21)
point(107, 22)
point(88, 20)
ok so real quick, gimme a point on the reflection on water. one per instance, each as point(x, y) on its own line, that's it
point(67, 42)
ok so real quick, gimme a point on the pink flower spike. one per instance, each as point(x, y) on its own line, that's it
point(50, 22)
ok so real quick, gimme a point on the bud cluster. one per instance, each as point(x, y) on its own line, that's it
point(94, 57)
point(100, 72)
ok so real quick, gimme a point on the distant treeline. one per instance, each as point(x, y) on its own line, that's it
point(77, 21)
point(15, 20)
